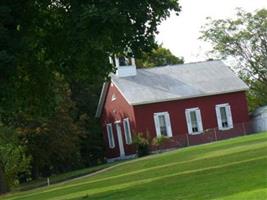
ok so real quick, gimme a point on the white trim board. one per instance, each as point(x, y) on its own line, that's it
point(110, 160)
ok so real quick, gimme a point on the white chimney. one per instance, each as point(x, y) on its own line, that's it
point(125, 66)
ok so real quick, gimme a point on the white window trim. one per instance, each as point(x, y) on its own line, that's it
point(110, 143)
point(168, 123)
point(199, 120)
point(126, 120)
point(113, 97)
point(228, 114)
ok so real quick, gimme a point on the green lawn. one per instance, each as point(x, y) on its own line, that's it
point(61, 177)
point(230, 169)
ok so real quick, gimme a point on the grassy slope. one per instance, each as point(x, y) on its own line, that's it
point(232, 169)
point(61, 177)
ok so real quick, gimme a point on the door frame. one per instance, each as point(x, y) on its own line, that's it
point(119, 138)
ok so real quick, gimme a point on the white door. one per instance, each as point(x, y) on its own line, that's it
point(120, 141)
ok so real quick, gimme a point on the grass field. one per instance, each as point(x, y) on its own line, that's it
point(230, 169)
point(61, 177)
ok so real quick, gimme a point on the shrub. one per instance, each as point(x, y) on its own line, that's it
point(142, 143)
point(159, 141)
point(13, 158)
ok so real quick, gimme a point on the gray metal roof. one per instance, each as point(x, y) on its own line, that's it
point(178, 82)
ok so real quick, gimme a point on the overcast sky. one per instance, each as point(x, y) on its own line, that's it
point(180, 33)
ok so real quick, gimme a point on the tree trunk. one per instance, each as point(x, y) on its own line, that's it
point(3, 184)
point(35, 171)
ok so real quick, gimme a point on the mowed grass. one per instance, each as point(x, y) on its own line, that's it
point(230, 169)
point(61, 177)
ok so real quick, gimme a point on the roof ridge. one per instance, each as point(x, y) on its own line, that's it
point(196, 62)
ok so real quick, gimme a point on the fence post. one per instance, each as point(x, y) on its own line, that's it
point(215, 134)
point(48, 181)
point(187, 138)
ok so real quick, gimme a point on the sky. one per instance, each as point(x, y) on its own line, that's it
point(180, 33)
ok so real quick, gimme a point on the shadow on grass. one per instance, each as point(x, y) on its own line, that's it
point(91, 186)
point(68, 176)
point(194, 152)
point(198, 150)
point(95, 185)
point(207, 183)
point(230, 153)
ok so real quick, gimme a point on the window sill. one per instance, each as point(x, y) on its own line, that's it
point(164, 136)
point(195, 133)
point(225, 129)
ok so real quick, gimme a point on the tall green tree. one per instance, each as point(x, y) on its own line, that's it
point(53, 142)
point(71, 37)
point(43, 39)
point(244, 39)
point(159, 56)
point(86, 98)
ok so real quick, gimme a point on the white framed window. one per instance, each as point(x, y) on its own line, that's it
point(224, 116)
point(113, 97)
point(111, 142)
point(194, 121)
point(123, 61)
point(127, 131)
point(163, 124)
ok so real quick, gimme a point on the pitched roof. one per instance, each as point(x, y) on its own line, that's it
point(175, 82)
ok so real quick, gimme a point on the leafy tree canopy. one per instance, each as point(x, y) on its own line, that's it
point(71, 37)
point(159, 56)
point(53, 60)
point(244, 39)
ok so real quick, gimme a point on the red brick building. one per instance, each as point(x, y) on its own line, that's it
point(178, 101)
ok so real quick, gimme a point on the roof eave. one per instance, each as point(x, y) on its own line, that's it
point(187, 97)
point(101, 99)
